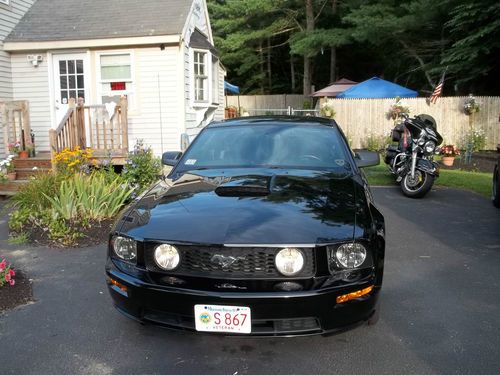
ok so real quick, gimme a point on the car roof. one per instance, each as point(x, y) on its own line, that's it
point(274, 120)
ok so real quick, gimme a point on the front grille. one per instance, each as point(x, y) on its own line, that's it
point(229, 262)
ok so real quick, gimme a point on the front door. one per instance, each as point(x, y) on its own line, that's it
point(69, 81)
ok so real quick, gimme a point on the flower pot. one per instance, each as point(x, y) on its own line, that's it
point(448, 160)
point(11, 176)
point(23, 154)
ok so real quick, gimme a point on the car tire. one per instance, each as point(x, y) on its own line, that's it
point(496, 187)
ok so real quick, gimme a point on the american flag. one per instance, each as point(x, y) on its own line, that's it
point(438, 90)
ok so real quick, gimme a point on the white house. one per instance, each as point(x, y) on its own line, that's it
point(157, 53)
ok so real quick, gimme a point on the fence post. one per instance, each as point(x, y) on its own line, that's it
point(289, 110)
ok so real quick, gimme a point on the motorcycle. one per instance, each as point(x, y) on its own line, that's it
point(411, 160)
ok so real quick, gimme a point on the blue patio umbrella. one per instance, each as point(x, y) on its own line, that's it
point(233, 89)
point(377, 88)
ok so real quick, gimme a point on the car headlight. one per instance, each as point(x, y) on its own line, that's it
point(125, 248)
point(167, 257)
point(289, 261)
point(430, 147)
point(351, 255)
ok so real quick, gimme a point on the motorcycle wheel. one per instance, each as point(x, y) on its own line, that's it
point(417, 187)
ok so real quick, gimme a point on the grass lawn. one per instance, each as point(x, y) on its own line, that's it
point(474, 181)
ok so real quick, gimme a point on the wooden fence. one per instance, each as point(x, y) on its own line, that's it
point(360, 118)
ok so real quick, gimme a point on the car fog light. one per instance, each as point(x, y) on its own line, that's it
point(167, 257)
point(288, 286)
point(125, 248)
point(430, 147)
point(351, 255)
point(289, 262)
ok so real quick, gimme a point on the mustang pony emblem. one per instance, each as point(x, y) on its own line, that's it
point(225, 261)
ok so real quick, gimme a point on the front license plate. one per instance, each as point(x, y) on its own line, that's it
point(217, 318)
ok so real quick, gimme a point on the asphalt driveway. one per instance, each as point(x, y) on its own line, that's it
point(441, 309)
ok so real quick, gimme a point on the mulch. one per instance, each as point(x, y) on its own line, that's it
point(97, 234)
point(16, 295)
point(480, 162)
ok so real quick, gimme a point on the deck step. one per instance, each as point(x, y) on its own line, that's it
point(11, 187)
point(26, 173)
point(29, 163)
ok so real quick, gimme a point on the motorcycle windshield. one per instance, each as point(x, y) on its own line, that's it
point(415, 127)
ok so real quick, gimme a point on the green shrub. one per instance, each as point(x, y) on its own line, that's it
point(475, 140)
point(92, 197)
point(33, 195)
point(142, 167)
point(376, 142)
point(60, 204)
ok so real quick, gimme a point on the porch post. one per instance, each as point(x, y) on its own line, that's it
point(124, 123)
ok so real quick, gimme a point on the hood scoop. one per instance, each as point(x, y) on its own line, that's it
point(249, 186)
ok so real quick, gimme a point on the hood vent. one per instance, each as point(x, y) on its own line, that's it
point(251, 186)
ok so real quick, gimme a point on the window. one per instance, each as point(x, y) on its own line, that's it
point(116, 77)
point(200, 77)
point(6, 2)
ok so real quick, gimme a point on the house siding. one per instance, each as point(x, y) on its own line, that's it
point(9, 17)
point(158, 117)
point(195, 116)
point(32, 84)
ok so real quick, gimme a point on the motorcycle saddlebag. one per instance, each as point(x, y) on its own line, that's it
point(397, 132)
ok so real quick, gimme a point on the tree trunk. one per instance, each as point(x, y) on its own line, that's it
point(269, 76)
point(333, 64)
point(262, 72)
point(307, 59)
point(292, 74)
point(333, 51)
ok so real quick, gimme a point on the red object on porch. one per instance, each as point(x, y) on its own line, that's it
point(117, 86)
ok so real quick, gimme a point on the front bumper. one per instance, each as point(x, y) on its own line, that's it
point(273, 313)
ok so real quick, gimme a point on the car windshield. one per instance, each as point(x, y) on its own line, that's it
point(271, 146)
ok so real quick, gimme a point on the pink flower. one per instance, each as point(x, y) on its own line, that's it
point(3, 264)
point(12, 282)
point(8, 277)
point(12, 272)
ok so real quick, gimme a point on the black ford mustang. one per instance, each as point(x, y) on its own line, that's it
point(264, 226)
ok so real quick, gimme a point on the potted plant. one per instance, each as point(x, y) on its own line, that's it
point(14, 147)
point(471, 106)
point(449, 152)
point(326, 108)
point(7, 169)
point(397, 109)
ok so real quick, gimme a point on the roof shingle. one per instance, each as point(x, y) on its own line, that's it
point(50, 20)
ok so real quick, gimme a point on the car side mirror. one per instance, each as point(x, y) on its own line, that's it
point(366, 158)
point(171, 158)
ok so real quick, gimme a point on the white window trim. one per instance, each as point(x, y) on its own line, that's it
point(132, 79)
point(208, 69)
point(215, 81)
point(5, 2)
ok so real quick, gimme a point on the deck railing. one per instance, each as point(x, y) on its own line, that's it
point(16, 122)
point(92, 126)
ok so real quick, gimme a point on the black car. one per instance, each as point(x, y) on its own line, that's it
point(264, 226)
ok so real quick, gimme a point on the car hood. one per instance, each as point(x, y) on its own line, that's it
point(246, 207)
